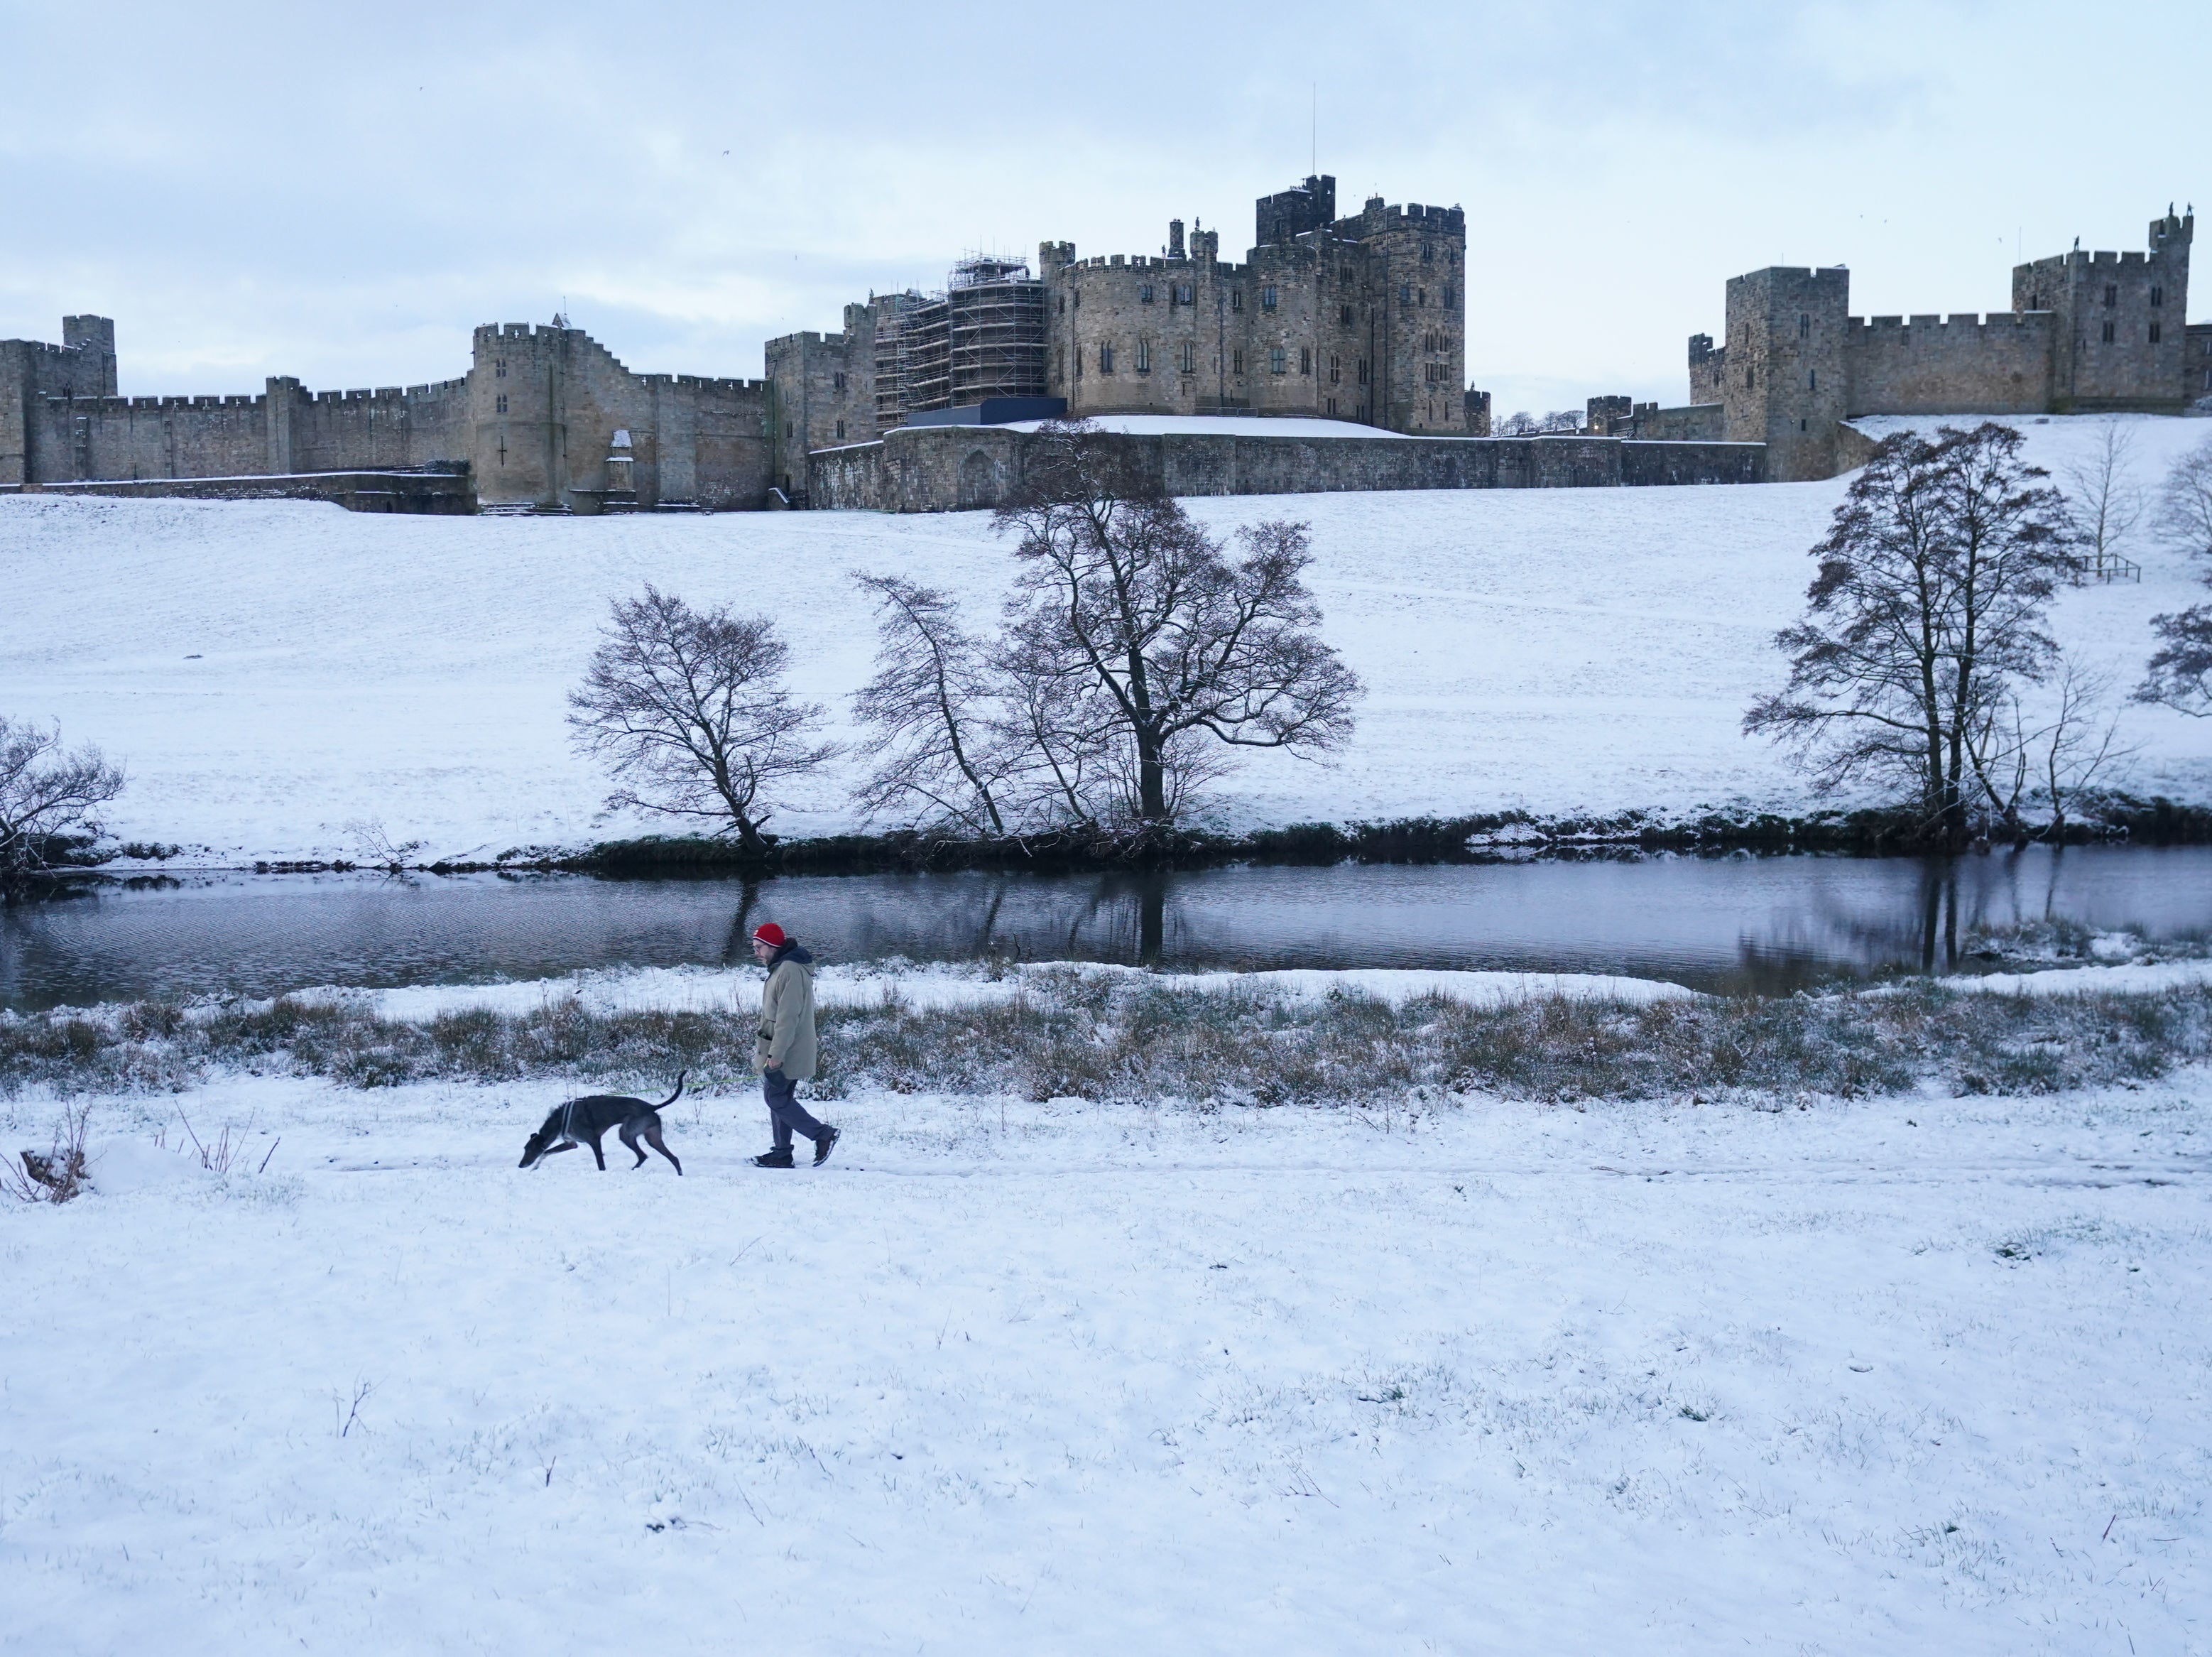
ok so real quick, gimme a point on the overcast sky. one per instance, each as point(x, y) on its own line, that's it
point(341, 192)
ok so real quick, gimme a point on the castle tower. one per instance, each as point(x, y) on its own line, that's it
point(1785, 381)
point(96, 337)
point(2120, 335)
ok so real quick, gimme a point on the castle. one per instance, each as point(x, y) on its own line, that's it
point(2087, 333)
point(1360, 320)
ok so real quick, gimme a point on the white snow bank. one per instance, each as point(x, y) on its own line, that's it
point(701, 989)
point(2139, 978)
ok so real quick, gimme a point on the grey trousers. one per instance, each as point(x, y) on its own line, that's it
point(785, 1111)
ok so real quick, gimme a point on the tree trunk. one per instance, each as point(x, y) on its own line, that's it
point(1151, 779)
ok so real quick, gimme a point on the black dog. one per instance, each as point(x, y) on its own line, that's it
point(586, 1121)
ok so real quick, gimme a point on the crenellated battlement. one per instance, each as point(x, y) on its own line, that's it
point(1998, 322)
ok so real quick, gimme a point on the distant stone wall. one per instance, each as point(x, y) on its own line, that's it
point(955, 468)
point(1620, 417)
point(418, 492)
point(1966, 365)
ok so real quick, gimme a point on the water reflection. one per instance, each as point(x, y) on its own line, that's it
point(1768, 924)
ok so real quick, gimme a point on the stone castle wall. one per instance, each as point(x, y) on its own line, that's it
point(533, 422)
point(967, 468)
point(1966, 365)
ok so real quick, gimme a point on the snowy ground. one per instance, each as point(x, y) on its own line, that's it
point(1224, 425)
point(708, 988)
point(1911, 1376)
point(287, 679)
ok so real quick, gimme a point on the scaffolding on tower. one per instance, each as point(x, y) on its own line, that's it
point(982, 336)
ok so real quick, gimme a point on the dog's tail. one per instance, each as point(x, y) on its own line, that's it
point(678, 1094)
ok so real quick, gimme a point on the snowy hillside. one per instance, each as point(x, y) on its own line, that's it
point(276, 675)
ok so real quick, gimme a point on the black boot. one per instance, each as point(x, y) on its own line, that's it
point(824, 1143)
point(780, 1158)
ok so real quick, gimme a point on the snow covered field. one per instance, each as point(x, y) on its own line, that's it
point(1917, 1375)
point(289, 681)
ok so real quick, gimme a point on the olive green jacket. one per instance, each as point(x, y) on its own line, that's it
point(785, 1041)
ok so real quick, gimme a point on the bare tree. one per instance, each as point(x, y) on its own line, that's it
point(2108, 503)
point(2185, 502)
point(49, 796)
point(1562, 421)
point(1928, 606)
point(1519, 424)
point(2056, 761)
point(1156, 638)
point(934, 708)
point(2180, 675)
point(687, 710)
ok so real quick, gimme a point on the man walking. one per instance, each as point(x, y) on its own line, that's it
point(784, 1051)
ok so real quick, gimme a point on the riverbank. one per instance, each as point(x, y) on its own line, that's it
point(1211, 1041)
point(1504, 837)
point(1918, 1373)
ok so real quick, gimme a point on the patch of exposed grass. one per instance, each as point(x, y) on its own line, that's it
point(1101, 1036)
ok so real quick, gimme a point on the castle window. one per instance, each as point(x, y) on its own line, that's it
point(1305, 359)
point(1236, 299)
point(1332, 405)
point(1423, 297)
point(2111, 294)
point(1803, 426)
point(2157, 297)
point(1448, 295)
point(1059, 361)
point(1428, 252)
point(499, 368)
point(1237, 362)
point(1335, 376)
point(1804, 326)
point(1812, 379)
point(2111, 332)
point(1144, 293)
point(841, 431)
point(1105, 359)
point(499, 405)
point(1363, 370)
point(1185, 292)
point(1405, 293)
point(1144, 357)
point(1279, 361)
point(1186, 358)
point(1267, 299)
point(2153, 333)
point(1063, 304)
point(837, 381)
point(1747, 379)
point(1344, 315)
